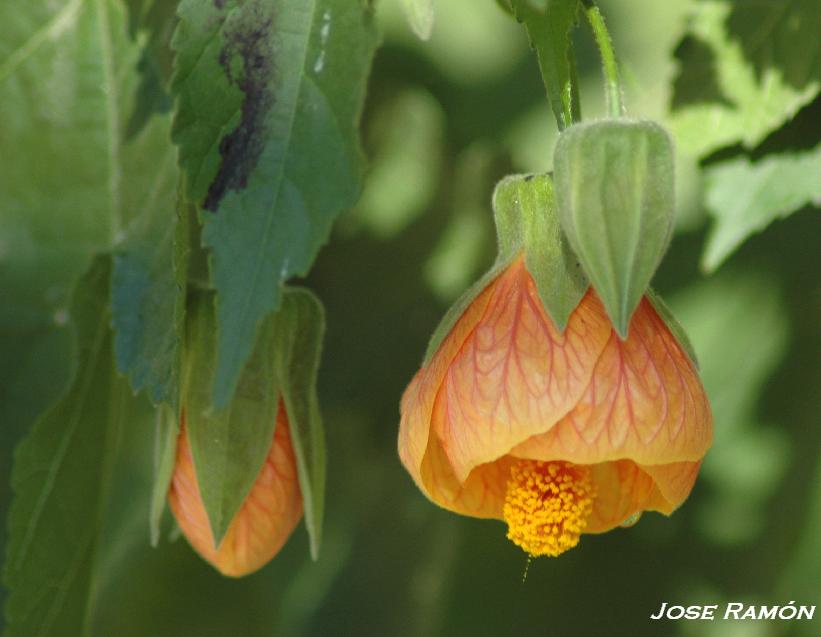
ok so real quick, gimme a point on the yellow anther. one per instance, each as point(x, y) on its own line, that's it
point(547, 505)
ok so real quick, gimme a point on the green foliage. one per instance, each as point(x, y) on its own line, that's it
point(65, 86)
point(268, 97)
point(229, 445)
point(298, 333)
point(748, 72)
point(86, 88)
point(744, 197)
point(549, 26)
point(155, 21)
point(144, 289)
point(745, 70)
point(420, 16)
point(61, 481)
point(165, 453)
point(614, 198)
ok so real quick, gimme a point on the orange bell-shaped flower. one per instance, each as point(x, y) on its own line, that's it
point(263, 523)
point(556, 433)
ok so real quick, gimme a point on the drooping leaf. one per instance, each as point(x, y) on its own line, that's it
point(420, 16)
point(761, 71)
point(60, 481)
point(300, 328)
point(549, 25)
point(744, 197)
point(268, 97)
point(229, 445)
point(65, 83)
point(144, 290)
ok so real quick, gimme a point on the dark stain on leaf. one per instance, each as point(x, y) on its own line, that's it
point(247, 38)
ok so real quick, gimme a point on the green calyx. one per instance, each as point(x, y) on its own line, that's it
point(229, 445)
point(526, 223)
point(615, 202)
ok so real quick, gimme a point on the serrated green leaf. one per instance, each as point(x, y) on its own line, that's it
point(65, 83)
point(526, 223)
point(144, 290)
point(300, 328)
point(549, 25)
point(615, 201)
point(268, 97)
point(229, 446)
point(756, 95)
point(744, 197)
point(420, 16)
point(169, 416)
point(60, 482)
point(780, 35)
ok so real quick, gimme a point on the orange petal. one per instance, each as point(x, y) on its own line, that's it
point(263, 523)
point(481, 495)
point(625, 489)
point(515, 375)
point(644, 403)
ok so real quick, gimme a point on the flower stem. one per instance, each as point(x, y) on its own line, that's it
point(612, 83)
point(575, 98)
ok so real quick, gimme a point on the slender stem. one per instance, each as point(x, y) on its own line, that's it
point(575, 98)
point(612, 84)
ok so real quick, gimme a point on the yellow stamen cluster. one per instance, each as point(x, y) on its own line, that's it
point(547, 505)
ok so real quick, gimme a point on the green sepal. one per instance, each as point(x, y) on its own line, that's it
point(526, 222)
point(676, 328)
point(228, 446)
point(525, 209)
point(615, 201)
point(299, 330)
point(165, 453)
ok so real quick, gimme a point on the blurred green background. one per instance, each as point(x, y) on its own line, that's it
point(444, 120)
